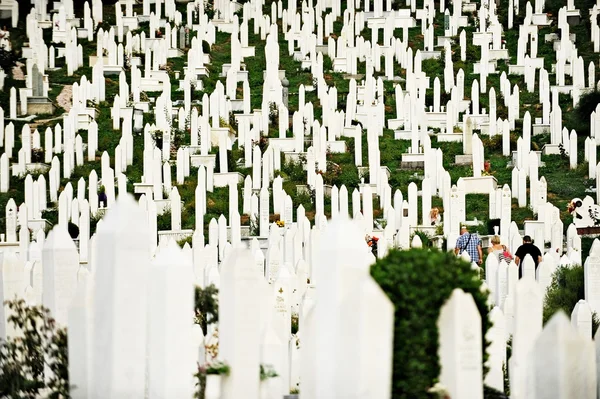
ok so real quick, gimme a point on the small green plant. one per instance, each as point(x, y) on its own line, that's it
point(267, 371)
point(216, 367)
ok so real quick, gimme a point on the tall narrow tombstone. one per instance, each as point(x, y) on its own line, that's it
point(527, 327)
point(239, 302)
point(562, 362)
point(459, 326)
point(591, 278)
point(171, 357)
point(61, 262)
point(120, 302)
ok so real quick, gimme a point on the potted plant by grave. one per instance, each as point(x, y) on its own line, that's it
point(268, 377)
point(214, 372)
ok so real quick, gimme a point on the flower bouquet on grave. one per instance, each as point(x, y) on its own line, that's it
point(280, 223)
point(571, 207)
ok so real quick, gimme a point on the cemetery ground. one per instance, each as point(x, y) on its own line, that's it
point(409, 380)
point(563, 185)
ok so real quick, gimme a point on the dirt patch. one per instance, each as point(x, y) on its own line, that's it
point(65, 98)
point(17, 71)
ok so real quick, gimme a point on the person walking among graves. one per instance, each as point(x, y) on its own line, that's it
point(499, 250)
point(527, 249)
point(470, 243)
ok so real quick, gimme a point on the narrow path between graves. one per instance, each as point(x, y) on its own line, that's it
point(64, 98)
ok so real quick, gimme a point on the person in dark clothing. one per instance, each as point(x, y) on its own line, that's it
point(527, 249)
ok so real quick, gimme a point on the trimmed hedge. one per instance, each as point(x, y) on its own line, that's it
point(418, 282)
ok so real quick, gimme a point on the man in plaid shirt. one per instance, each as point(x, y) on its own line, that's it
point(470, 243)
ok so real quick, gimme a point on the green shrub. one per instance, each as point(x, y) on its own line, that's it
point(418, 282)
point(587, 104)
point(565, 290)
point(23, 359)
point(425, 240)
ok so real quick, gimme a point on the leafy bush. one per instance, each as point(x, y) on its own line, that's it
point(23, 359)
point(8, 59)
point(419, 282)
point(587, 104)
point(425, 240)
point(565, 290)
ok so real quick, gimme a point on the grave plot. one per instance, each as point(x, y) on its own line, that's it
point(213, 198)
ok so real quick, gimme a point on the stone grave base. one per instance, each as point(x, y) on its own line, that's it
point(501, 54)
point(244, 232)
point(281, 74)
point(573, 17)
point(94, 58)
point(361, 189)
point(464, 159)
point(364, 170)
point(395, 124)
point(479, 185)
point(39, 224)
point(247, 51)
point(143, 188)
point(305, 189)
point(538, 153)
point(551, 149)
point(225, 179)
point(402, 135)
point(337, 147)
point(412, 161)
point(40, 106)
point(177, 235)
point(293, 156)
point(540, 128)
point(111, 70)
point(449, 137)
point(284, 144)
point(237, 105)
point(541, 19)
point(197, 160)
point(358, 77)
point(441, 40)
point(429, 55)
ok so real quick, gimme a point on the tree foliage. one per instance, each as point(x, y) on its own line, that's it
point(207, 306)
point(565, 290)
point(35, 361)
point(419, 282)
